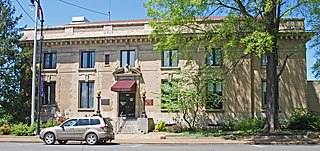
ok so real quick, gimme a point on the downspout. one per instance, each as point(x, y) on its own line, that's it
point(252, 85)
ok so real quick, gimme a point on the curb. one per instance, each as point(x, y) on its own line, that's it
point(180, 139)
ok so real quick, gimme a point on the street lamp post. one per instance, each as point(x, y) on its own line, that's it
point(98, 97)
point(40, 92)
point(144, 115)
point(34, 68)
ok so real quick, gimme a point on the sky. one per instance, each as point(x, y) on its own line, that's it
point(60, 12)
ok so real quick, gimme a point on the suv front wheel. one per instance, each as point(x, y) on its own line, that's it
point(91, 139)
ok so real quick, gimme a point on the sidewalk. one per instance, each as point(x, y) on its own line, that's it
point(162, 138)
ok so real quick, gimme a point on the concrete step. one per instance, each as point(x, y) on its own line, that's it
point(130, 127)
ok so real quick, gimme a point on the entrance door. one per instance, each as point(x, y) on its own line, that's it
point(127, 104)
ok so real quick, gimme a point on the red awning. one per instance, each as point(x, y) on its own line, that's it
point(124, 86)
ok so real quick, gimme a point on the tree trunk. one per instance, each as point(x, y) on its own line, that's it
point(272, 109)
point(272, 93)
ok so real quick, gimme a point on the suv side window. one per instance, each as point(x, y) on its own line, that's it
point(94, 121)
point(72, 122)
point(83, 122)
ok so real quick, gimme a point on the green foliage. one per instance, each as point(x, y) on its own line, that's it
point(189, 94)
point(258, 42)
point(21, 129)
point(161, 126)
point(49, 123)
point(15, 66)
point(5, 129)
point(245, 125)
point(312, 15)
point(5, 118)
point(252, 26)
point(230, 124)
point(301, 119)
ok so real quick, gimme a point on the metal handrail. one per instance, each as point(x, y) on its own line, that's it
point(120, 123)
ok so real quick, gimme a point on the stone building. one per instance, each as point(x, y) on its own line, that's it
point(117, 57)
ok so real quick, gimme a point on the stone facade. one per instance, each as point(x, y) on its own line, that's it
point(313, 95)
point(242, 88)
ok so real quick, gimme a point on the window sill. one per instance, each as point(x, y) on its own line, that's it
point(87, 70)
point(107, 65)
point(170, 68)
point(215, 111)
point(50, 70)
point(85, 110)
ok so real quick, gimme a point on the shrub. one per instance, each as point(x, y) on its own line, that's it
point(230, 124)
point(23, 129)
point(253, 125)
point(246, 125)
point(49, 123)
point(174, 128)
point(6, 119)
point(161, 126)
point(301, 119)
point(5, 129)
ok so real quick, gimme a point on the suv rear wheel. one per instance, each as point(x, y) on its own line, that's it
point(91, 139)
point(49, 138)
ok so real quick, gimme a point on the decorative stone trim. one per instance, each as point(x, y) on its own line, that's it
point(92, 40)
point(87, 70)
point(170, 68)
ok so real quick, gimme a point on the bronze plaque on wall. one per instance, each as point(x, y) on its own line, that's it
point(148, 102)
point(105, 101)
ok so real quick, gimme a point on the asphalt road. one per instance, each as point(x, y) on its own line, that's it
point(160, 147)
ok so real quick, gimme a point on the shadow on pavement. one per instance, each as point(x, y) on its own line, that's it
point(106, 144)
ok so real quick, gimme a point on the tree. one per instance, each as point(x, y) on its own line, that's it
point(13, 65)
point(250, 24)
point(188, 95)
point(313, 18)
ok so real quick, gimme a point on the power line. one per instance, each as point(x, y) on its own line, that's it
point(25, 11)
point(84, 8)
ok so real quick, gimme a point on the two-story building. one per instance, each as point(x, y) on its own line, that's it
point(117, 57)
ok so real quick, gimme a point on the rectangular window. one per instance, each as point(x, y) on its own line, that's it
point(170, 58)
point(214, 95)
point(49, 93)
point(106, 59)
point(264, 94)
point(87, 59)
point(128, 58)
point(50, 60)
point(214, 58)
point(263, 60)
point(86, 94)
